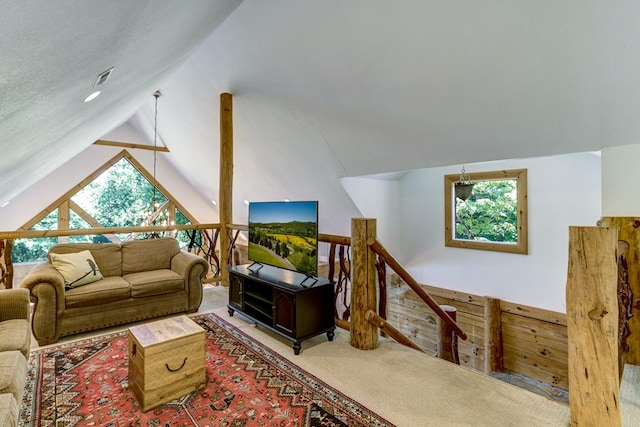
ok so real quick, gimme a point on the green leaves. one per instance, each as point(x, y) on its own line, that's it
point(490, 214)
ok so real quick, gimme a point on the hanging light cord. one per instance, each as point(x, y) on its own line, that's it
point(155, 146)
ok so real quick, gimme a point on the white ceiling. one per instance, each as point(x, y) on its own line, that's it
point(322, 89)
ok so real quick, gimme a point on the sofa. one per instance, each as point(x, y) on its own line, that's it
point(15, 345)
point(121, 283)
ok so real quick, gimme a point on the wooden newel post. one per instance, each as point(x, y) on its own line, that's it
point(226, 182)
point(494, 352)
point(364, 335)
point(447, 339)
point(592, 326)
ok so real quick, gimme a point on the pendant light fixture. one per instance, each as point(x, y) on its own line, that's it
point(156, 95)
point(154, 217)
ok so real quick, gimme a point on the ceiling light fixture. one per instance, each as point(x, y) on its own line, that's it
point(92, 96)
point(100, 80)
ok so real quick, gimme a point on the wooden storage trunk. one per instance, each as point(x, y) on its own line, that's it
point(166, 360)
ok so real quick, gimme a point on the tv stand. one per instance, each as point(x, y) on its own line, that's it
point(273, 298)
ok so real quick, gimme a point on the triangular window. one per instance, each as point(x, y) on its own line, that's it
point(119, 194)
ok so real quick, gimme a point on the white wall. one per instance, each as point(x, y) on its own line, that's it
point(563, 191)
point(379, 199)
point(619, 197)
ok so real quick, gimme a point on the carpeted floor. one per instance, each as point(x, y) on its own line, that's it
point(402, 385)
point(85, 383)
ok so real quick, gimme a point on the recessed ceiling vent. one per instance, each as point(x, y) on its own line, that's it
point(103, 77)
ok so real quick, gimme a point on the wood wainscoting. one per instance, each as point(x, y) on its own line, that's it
point(532, 341)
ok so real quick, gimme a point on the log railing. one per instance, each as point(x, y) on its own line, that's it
point(203, 240)
point(409, 280)
point(340, 271)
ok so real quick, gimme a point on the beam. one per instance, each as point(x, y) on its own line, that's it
point(130, 145)
point(225, 183)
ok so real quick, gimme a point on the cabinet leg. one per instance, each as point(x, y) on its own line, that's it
point(231, 311)
point(330, 335)
point(296, 347)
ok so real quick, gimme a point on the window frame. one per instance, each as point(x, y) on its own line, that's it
point(521, 246)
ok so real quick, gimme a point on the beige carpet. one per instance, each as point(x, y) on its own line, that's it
point(630, 396)
point(409, 388)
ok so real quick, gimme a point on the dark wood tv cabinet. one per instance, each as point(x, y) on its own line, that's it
point(282, 301)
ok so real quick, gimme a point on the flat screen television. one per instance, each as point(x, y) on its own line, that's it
point(284, 234)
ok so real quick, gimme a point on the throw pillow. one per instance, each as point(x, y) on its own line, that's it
point(78, 268)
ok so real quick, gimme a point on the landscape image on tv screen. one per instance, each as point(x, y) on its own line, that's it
point(284, 234)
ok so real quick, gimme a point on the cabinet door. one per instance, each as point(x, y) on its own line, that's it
point(284, 316)
point(236, 290)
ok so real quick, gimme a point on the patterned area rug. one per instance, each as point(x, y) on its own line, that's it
point(85, 384)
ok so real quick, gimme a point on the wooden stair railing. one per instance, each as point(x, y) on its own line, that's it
point(390, 331)
point(341, 245)
point(411, 282)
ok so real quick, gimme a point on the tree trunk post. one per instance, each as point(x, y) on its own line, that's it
point(225, 183)
point(592, 326)
point(494, 356)
point(447, 339)
point(364, 335)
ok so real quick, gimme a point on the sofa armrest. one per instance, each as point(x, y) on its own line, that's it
point(14, 304)
point(46, 286)
point(193, 269)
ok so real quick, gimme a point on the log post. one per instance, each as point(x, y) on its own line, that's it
point(493, 353)
point(225, 183)
point(364, 335)
point(447, 339)
point(6, 266)
point(592, 326)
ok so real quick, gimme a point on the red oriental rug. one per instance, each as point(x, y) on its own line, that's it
point(85, 384)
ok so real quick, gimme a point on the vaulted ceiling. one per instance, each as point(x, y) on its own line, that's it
point(322, 89)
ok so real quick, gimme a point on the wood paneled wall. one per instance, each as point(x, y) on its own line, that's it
point(534, 340)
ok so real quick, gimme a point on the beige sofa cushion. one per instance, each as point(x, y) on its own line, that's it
point(13, 369)
point(104, 291)
point(77, 269)
point(8, 410)
point(108, 256)
point(15, 334)
point(148, 255)
point(156, 282)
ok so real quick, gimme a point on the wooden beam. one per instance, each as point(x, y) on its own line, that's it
point(592, 324)
point(32, 234)
point(225, 183)
point(131, 146)
point(364, 335)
